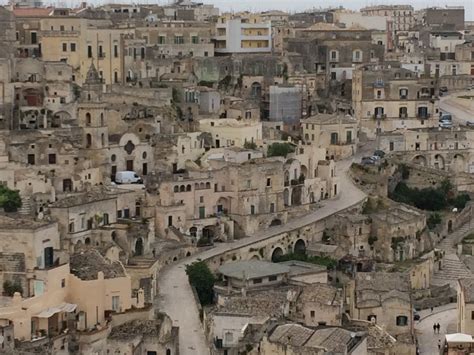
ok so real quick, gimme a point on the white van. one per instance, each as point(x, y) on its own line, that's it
point(127, 177)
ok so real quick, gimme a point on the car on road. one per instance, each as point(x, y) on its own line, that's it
point(368, 161)
point(445, 124)
point(379, 153)
point(416, 316)
point(446, 117)
point(127, 177)
point(443, 90)
point(470, 123)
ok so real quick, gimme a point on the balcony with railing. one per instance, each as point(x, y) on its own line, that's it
point(379, 116)
point(423, 115)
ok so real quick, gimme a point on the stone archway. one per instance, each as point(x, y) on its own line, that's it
point(296, 195)
point(277, 252)
point(255, 257)
point(139, 247)
point(459, 163)
point(420, 160)
point(286, 197)
point(300, 247)
point(438, 162)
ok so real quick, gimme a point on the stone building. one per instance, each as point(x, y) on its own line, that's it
point(448, 18)
point(337, 134)
point(445, 149)
point(403, 16)
point(384, 299)
point(387, 98)
point(465, 307)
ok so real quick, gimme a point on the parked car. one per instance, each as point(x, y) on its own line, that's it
point(470, 123)
point(367, 161)
point(127, 177)
point(443, 90)
point(445, 124)
point(416, 316)
point(379, 153)
point(446, 117)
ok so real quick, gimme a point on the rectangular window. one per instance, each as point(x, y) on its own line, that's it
point(73, 47)
point(89, 51)
point(195, 39)
point(272, 278)
point(64, 47)
point(31, 159)
point(269, 182)
point(52, 158)
point(257, 281)
point(272, 207)
point(252, 209)
point(116, 303)
point(115, 51)
point(312, 313)
point(34, 38)
point(178, 40)
point(63, 283)
point(101, 53)
point(71, 227)
point(472, 314)
point(161, 40)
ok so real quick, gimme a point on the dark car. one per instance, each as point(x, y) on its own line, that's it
point(367, 161)
point(443, 90)
point(416, 316)
point(379, 153)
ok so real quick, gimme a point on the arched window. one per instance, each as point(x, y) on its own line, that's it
point(182, 188)
point(102, 139)
point(88, 119)
point(176, 188)
point(88, 140)
point(102, 119)
point(188, 188)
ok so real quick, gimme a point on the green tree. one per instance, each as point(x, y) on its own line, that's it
point(280, 149)
point(9, 288)
point(460, 201)
point(10, 200)
point(202, 279)
point(433, 220)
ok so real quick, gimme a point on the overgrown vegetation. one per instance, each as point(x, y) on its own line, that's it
point(319, 260)
point(430, 198)
point(203, 280)
point(433, 220)
point(372, 205)
point(10, 200)
point(404, 171)
point(9, 288)
point(250, 145)
point(280, 149)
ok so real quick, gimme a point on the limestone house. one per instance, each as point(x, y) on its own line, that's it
point(442, 149)
point(231, 131)
point(320, 304)
point(387, 98)
point(150, 337)
point(67, 297)
point(293, 338)
point(338, 135)
point(382, 298)
point(465, 306)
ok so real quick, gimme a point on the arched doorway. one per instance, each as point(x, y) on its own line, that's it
point(439, 162)
point(275, 222)
point(458, 164)
point(255, 257)
point(420, 160)
point(277, 253)
point(296, 195)
point(300, 247)
point(139, 247)
point(87, 241)
point(286, 197)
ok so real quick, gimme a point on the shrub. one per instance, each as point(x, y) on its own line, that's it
point(280, 149)
point(10, 200)
point(250, 145)
point(460, 201)
point(319, 260)
point(433, 220)
point(202, 279)
point(9, 288)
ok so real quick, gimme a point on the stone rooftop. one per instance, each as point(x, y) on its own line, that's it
point(269, 303)
point(321, 293)
point(328, 119)
point(87, 263)
point(252, 269)
point(16, 221)
point(136, 328)
point(373, 288)
point(97, 194)
point(302, 268)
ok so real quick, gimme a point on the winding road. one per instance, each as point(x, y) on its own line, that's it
point(175, 296)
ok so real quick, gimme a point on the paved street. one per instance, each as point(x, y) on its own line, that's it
point(459, 108)
point(175, 295)
point(427, 340)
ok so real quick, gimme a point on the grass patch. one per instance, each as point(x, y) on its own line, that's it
point(318, 260)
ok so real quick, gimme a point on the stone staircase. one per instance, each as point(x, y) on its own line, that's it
point(26, 206)
point(140, 262)
point(453, 268)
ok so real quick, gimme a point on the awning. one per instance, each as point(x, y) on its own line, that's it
point(63, 307)
point(459, 338)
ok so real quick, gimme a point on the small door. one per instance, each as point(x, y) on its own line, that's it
point(113, 172)
point(129, 165)
point(48, 257)
point(218, 143)
point(145, 169)
point(202, 212)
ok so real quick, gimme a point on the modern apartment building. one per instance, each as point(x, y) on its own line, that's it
point(243, 34)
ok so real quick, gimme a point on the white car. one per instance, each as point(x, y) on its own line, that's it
point(445, 124)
